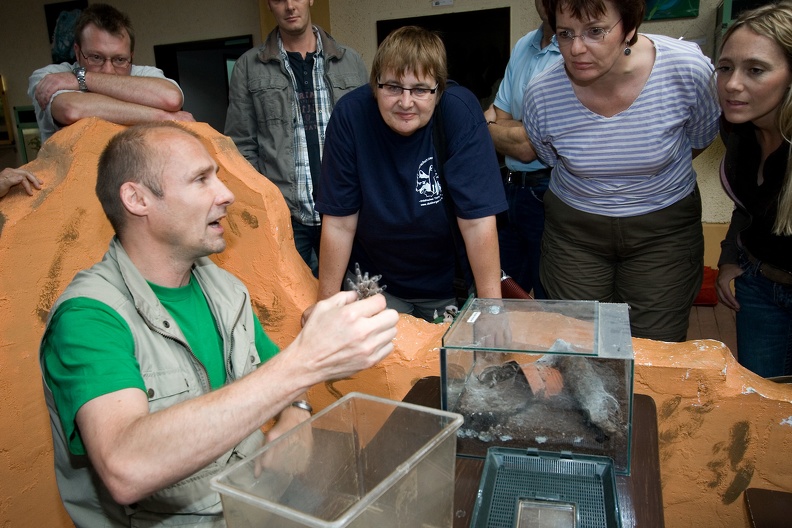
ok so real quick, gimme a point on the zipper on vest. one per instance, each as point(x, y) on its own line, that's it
point(228, 366)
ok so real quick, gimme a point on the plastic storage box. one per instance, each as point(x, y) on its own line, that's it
point(361, 462)
point(538, 489)
point(549, 375)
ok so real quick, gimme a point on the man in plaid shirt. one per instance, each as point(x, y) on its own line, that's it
point(281, 97)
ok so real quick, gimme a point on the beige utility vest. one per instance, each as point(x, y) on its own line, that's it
point(172, 374)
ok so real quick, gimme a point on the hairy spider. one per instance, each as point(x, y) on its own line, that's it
point(363, 285)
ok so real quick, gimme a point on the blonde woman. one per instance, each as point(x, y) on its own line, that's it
point(754, 74)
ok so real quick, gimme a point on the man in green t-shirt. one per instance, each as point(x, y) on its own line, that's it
point(157, 374)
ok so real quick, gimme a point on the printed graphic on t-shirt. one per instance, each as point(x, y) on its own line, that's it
point(427, 184)
point(307, 102)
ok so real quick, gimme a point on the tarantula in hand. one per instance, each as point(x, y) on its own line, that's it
point(363, 285)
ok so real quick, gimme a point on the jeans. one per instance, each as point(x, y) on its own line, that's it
point(520, 240)
point(764, 323)
point(306, 239)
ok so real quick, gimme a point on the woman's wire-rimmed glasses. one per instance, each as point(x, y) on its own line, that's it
point(590, 35)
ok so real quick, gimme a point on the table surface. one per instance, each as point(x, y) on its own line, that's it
point(768, 508)
point(640, 495)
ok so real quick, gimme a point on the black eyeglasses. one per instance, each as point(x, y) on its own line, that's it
point(118, 63)
point(394, 90)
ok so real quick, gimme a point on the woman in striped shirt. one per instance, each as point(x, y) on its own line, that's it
point(620, 119)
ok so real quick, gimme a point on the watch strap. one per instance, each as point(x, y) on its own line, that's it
point(79, 72)
point(304, 405)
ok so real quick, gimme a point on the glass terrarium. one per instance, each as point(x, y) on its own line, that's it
point(549, 375)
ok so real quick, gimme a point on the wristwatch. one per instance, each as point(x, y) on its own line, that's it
point(304, 405)
point(79, 72)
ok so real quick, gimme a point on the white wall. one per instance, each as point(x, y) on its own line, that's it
point(354, 21)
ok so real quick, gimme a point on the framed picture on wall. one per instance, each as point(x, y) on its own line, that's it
point(662, 9)
point(31, 139)
point(61, 18)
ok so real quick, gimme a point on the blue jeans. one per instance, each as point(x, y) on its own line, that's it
point(764, 323)
point(520, 240)
point(306, 239)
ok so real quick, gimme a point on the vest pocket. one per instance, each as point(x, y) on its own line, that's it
point(165, 388)
point(153, 520)
point(188, 502)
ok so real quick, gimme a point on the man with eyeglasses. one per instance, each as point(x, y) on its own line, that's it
point(525, 177)
point(281, 96)
point(103, 82)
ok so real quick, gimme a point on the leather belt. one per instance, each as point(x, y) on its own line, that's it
point(525, 179)
point(775, 274)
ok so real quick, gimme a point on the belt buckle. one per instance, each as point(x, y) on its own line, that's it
point(516, 178)
point(777, 275)
point(525, 178)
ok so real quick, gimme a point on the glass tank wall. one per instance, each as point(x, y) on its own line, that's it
point(550, 375)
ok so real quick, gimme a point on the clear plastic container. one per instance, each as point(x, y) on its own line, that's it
point(363, 461)
point(550, 375)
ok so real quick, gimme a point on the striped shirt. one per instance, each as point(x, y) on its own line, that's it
point(639, 160)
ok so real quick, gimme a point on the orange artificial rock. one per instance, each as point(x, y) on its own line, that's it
point(721, 427)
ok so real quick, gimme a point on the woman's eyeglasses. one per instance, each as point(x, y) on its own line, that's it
point(394, 90)
point(591, 35)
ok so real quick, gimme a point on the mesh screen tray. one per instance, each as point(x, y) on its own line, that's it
point(513, 478)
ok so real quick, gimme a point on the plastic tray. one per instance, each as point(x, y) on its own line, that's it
point(513, 478)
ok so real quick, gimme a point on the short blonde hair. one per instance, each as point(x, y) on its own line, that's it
point(411, 48)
